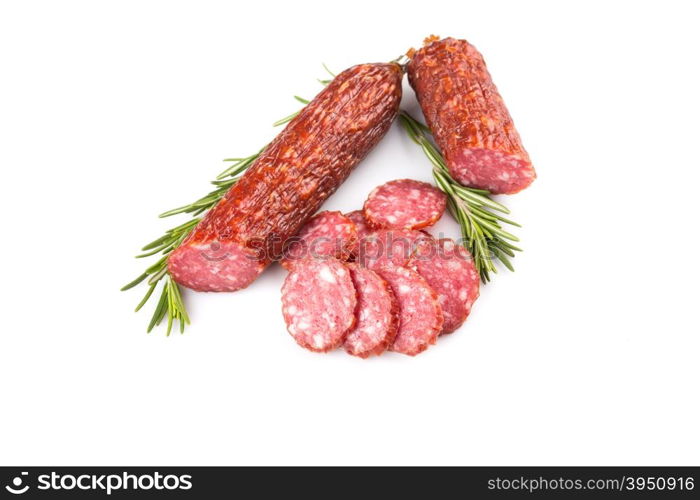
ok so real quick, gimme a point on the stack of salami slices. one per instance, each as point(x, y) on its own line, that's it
point(372, 280)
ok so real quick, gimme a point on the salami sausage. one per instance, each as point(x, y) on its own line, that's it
point(449, 269)
point(289, 181)
point(388, 246)
point(404, 204)
point(377, 314)
point(420, 315)
point(327, 234)
point(318, 303)
point(468, 118)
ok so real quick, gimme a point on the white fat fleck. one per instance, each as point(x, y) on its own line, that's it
point(326, 275)
point(331, 323)
point(391, 219)
point(318, 340)
point(292, 310)
point(504, 176)
point(463, 294)
point(404, 289)
point(303, 325)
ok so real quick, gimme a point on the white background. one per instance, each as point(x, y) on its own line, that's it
point(111, 112)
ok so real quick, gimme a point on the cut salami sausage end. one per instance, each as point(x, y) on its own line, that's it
point(449, 270)
point(377, 314)
point(420, 315)
point(494, 171)
point(404, 204)
point(215, 267)
point(318, 303)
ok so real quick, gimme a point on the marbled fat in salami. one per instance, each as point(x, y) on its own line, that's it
point(404, 204)
point(449, 269)
point(377, 314)
point(327, 234)
point(420, 315)
point(468, 118)
point(289, 181)
point(318, 303)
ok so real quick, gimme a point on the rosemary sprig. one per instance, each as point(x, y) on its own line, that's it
point(477, 214)
point(170, 304)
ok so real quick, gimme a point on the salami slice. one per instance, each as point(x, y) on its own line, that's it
point(449, 269)
point(404, 204)
point(360, 225)
point(327, 234)
point(468, 118)
point(388, 246)
point(318, 303)
point(420, 315)
point(377, 314)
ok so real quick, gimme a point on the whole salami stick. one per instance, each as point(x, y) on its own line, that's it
point(289, 181)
